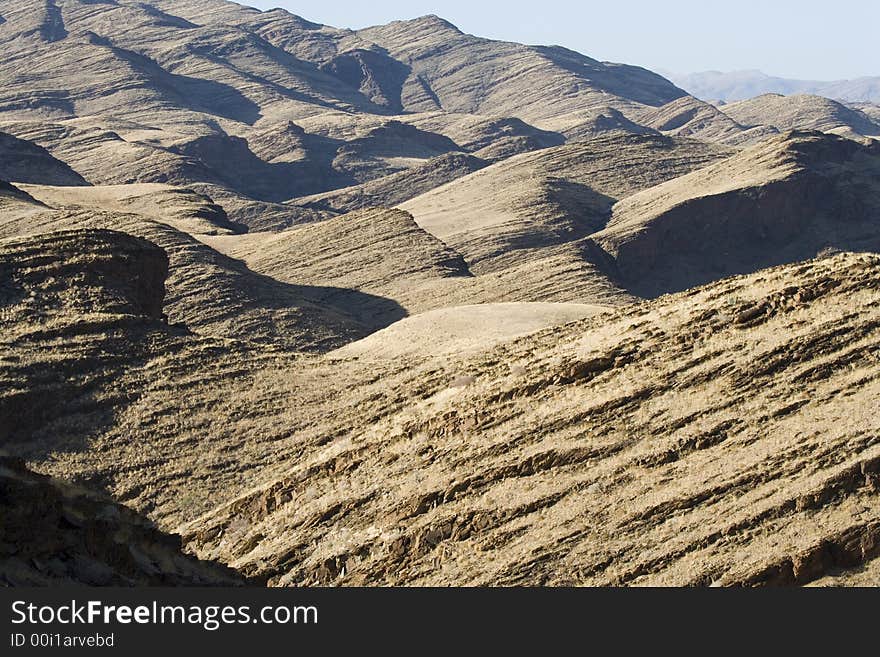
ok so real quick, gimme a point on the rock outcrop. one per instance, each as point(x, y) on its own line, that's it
point(72, 273)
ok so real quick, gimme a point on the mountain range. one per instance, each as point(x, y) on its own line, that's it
point(742, 85)
point(292, 304)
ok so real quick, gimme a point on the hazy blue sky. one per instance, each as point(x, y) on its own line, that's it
point(810, 39)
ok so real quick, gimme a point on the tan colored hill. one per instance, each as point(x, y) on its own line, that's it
point(376, 263)
point(178, 207)
point(396, 188)
point(784, 200)
point(385, 254)
point(718, 437)
point(463, 329)
point(24, 162)
point(257, 108)
point(407, 306)
point(88, 341)
point(872, 110)
point(84, 342)
point(689, 117)
point(488, 137)
point(800, 112)
point(551, 197)
point(443, 77)
point(209, 292)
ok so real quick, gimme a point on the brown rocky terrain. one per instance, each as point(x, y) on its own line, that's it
point(801, 111)
point(724, 436)
point(24, 162)
point(551, 197)
point(871, 110)
point(397, 188)
point(783, 200)
point(58, 534)
point(407, 306)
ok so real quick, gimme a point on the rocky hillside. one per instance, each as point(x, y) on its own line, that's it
point(56, 534)
point(24, 162)
point(258, 108)
point(407, 306)
point(535, 204)
point(725, 436)
point(801, 112)
point(784, 200)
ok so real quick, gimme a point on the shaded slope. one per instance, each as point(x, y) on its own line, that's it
point(24, 162)
point(549, 197)
point(397, 187)
point(872, 110)
point(460, 73)
point(66, 285)
point(215, 295)
point(374, 251)
point(180, 208)
point(783, 200)
point(689, 117)
point(58, 534)
point(83, 343)
point(14, 197)
point(384, 252)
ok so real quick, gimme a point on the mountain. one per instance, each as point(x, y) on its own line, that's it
point(763, 476)
point(742, 85)
point(802, 112)
point(293, 304)
point(542, 204)
point(172, 92)
point(689, 117)
point(783, 200)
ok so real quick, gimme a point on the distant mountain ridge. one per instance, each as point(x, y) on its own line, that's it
point(742, 85)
